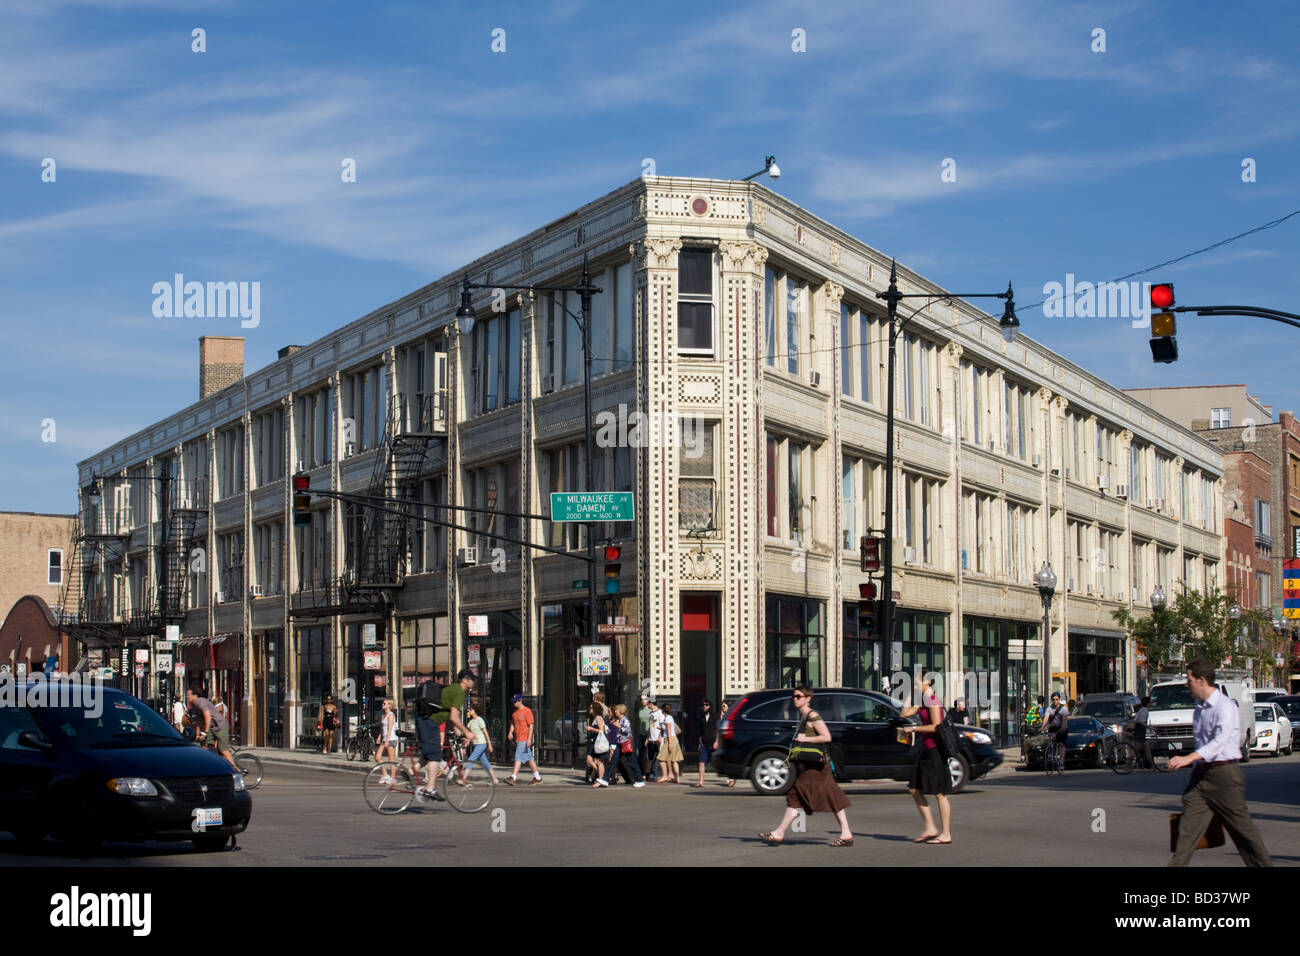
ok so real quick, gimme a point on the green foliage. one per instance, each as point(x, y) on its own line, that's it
point(1195, 624)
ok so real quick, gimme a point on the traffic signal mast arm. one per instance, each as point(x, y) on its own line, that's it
point(1289, 318)
point(369, 501)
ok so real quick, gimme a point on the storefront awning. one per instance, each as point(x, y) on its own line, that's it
point(1095, 632)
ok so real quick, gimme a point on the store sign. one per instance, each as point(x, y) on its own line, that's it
point(408, 680)
point(126, 661)
point(478, 625)
point(172, 632)
point(142, 655)
point(595, 660)
point(368, 635)
point(381, 680)
point(374, 660)
point(618, 629)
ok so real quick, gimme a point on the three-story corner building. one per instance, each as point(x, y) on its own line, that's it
point(738, 359)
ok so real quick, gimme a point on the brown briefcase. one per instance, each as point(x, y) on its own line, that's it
point(1213, 833)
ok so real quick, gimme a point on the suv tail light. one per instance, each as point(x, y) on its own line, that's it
point(725, 726)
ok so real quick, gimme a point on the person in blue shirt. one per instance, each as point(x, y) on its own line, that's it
point(1217, 787)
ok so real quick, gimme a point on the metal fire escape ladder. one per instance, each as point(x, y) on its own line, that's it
point(385, 536)
point(85, 615)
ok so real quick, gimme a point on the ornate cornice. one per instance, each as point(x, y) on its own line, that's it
point(737, 256)
point(833, 292)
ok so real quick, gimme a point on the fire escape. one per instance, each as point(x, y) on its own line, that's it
point(378, 541)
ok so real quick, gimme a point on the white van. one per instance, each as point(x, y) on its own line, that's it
point(1172, 704)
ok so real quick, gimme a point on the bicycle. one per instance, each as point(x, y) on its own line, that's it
point(361, 744)
point(390, 788)
point(1052, 758)
point(247, 763)
point(1124, 758)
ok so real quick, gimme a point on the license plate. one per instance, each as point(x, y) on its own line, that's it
point(1175, 745)
point(209, 816)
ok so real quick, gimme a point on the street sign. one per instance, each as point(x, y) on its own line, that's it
point(139, 670)
point(178, 671)
point(618, 629)
point(142, 655)
point(165, 647)
point(373, 660)
point(368, 636)
point(165, 663)
point(172, 632)
point(1291, 587)
point(475, 655)
point(478, 625)
point(592, 506)
point(580, 585)
point(595, 660)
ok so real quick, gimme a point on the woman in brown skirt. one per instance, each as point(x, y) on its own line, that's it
point(815, 789)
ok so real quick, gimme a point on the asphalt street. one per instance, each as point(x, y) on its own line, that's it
point(305, 816)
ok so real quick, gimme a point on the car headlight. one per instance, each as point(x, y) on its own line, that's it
point(1092, 743)
point(1116, 728)
point(239, 782)
point(1265, 733)
point(133, 786)
point(976, 737)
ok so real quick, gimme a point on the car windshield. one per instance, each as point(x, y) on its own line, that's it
point(1292, 708)
point(1172, 697)
point(117, 721)
point(1102, 709)
point(1265, 713)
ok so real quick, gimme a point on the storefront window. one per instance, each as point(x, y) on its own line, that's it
point(1097, 662)
point(314, 682)
point(424, 654)
point(859, 666)
point(794, 641)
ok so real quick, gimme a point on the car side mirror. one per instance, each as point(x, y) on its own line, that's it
point(35, 741)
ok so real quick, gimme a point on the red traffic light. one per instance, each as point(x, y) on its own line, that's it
point(612, 551)
point(302, 481)
point(867, 591)
point(1162, 295)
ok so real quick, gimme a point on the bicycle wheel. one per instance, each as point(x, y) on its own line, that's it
point(350, 751)
point(1125, 757)
point(473, 795)
point(250, 765)
point(388, 788)
point(1160, 762)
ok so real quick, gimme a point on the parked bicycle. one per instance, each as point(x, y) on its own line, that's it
point(391, 787)
point(363, 743)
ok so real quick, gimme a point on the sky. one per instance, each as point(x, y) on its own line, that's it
point(977, 142)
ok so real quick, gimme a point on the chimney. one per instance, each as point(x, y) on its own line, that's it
point(287, 350)
point(221, 362)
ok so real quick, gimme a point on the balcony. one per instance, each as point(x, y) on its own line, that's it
point(1263, 541)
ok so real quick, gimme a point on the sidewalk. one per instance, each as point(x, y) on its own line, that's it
point(550, 775)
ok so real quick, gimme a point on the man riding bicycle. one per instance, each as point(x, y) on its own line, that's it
point(451, 711)
point(1056, 723)
point(211, 725)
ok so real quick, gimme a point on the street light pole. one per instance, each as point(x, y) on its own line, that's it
point(1009, 325)
point(1046, 581)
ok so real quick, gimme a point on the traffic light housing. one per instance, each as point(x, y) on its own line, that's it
point(301, 499)
point(613, 570)
point(867, 618)
point(1164, 344)
point(869, 552)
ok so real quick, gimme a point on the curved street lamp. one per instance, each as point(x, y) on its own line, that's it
point(1045, 581)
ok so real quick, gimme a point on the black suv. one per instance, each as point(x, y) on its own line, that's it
point(755, 735)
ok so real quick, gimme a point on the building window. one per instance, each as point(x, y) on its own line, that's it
point(794, 646)
point(697, 485)
point(1220, 417)
point(1262, 525)
point(848, 504)
point(55, 575)
point(769, 315)
point(855, 349)
point(846, 354)
point(773, 487)
point(975, 404)
point(1262, 589)
point(794, 487)
point(695, 301)
point(795, 303)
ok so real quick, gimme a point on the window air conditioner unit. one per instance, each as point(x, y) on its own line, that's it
point(1150, 503)
point(1038, 461)
point(909, 555)
point(219, 597)
point(815, 379)
point(1137, 595)
point(548, 384)
point(302, 466)
point(1056, 473)
point(349, 449)
point(1089, 590)
point(468, 556)
point(257, 590)
point(1121, 491)
point(1103, 482)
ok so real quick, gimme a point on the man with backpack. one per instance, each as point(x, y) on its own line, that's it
point(434, 705)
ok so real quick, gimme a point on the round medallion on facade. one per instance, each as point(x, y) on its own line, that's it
point(700, 206)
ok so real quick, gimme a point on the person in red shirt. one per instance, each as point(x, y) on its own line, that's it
point(521, 732)
point(931, 772)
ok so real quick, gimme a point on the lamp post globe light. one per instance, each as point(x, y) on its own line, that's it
point(1045, 581)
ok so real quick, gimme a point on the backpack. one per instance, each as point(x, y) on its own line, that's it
point(428, 698)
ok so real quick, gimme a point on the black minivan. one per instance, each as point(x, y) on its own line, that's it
point(87, 767)
point(754, 738)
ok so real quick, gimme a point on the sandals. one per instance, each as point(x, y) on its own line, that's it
point(935, 841)
point(770, 840)
point(842, 841)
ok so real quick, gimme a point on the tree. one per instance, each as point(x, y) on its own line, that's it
point(1196, 624)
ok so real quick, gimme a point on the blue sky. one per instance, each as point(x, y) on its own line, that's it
point(224, 165)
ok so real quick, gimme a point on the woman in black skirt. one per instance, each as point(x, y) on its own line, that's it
point(930, 775)
point(815, 789)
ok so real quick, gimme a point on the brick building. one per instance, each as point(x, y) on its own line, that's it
point(34, 550)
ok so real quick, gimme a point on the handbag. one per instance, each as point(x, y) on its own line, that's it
point(626, 746)
point(1213, 833)
point(946, 737)
point(806, 755)
point(601, 746)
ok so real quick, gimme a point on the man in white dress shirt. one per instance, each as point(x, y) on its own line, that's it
point(1217, 787)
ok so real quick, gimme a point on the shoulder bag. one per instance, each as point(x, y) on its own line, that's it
point(812, 756)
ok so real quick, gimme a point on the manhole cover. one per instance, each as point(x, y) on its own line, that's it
point(345, 856)
point(416, 846)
